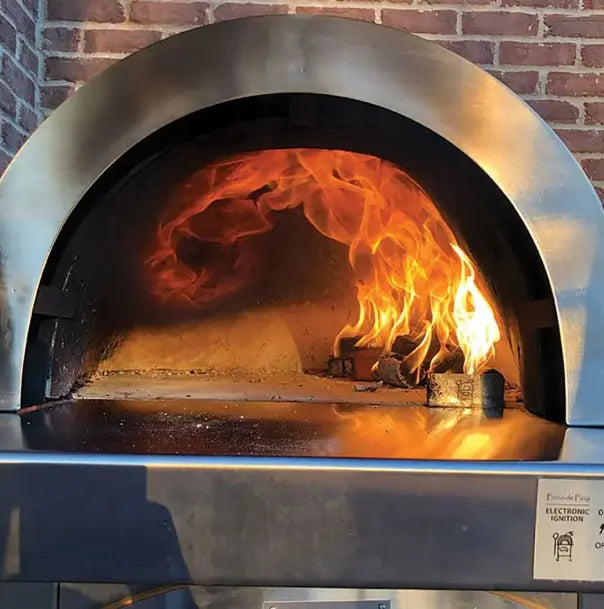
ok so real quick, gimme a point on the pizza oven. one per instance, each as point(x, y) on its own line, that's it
point(311, 285)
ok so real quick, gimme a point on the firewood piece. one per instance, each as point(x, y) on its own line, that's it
point(340, 367)
point(452, 390)
point(371, 387)
point(347, 345)
point(364, 360)
point(391, 369)
point(403, 345)
point(453, 362)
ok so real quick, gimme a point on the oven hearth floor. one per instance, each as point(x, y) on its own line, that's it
point(286, 429)
point(247, 386)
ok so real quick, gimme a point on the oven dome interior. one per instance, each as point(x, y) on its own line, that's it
point(100, 256)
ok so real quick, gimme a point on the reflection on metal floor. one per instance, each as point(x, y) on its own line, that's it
point(197, 427)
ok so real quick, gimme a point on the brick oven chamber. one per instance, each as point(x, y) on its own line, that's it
point(208, 254)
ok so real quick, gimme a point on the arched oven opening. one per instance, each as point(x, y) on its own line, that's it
point(298, 248)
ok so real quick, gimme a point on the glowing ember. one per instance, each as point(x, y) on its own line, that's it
point(412, 278)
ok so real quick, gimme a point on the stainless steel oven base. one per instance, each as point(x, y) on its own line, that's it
point(86, 495)
point(265, 521)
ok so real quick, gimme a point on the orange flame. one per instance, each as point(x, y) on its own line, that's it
point(412, 278)
point(475, 325)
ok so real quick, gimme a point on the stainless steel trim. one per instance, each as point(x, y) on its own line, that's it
point(97, 596)
point(333, 603)
point(326, 55)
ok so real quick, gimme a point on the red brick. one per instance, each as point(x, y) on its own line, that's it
point(8, 103)
point(421, 22)
point(464, 2)
point(476, 51)
point(53, 96)
point(29, 60)
point(600, 193)
point(597, 5)
point(555, 110)
point(568, 25)
point(118, 41)
point(169, 13)
point(27, 119)
point(4, 159)
point(61, 39)
point(11, 138)
point(75, 69)
point(364, 14)
point(105, 11)
point(21, 84)
point(8, 35)
point(537, 54)
point(20, 19)
point(522, 83)
point(500, 23)
point(582, 141)
point(543, 3)
point(14, 12)
point(566, 83)
point(228, 11)
point(594, 168)
point(31, 6)
point(594, 112)
point(592, 55)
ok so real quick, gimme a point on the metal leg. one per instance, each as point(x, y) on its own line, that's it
point(590, 601)
point(15, 595)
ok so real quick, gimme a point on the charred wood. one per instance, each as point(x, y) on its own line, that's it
point(340, 367)
point(392, 370)
point(364, 361)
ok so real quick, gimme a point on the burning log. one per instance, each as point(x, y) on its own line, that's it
point(357, 364)
point(452, 390)
point(364, 360)
point(391, 369)
point(394, 368)
point(340, 367)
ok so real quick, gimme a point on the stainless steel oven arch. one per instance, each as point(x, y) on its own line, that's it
point(309, 54)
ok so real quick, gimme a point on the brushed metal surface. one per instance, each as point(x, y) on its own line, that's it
point(28, 596)
point(251, 521)
point(311, 54)
point(591, 601)
point(334, 603)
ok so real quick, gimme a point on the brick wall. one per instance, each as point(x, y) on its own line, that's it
point(20, 73)
point(551, 52)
